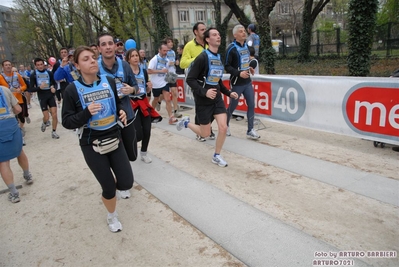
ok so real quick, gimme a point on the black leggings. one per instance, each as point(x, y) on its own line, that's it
point(130, 141)
point(143, 129)
point(59, 94)
point(101, 166)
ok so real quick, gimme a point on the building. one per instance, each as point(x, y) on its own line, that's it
point(7, 20)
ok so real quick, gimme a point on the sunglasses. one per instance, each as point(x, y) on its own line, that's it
point(120, 44)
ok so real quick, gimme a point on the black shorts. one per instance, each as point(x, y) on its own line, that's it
point(47, 100)
point(205, 113)
point(158, 91)
point(172, 84)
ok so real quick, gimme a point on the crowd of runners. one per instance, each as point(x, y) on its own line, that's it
point(111, 95)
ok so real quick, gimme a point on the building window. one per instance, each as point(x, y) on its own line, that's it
point(284, 8)
point(200, 15)
point(183, 16)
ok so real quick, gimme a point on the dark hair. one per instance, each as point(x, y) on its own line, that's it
point(63, 48)
point(129, 52)
point(93, 44)
point(2, 63)
point(195, 27)
point(79, 50)
point(207, 32)
point(181, 46)
point(251, 51)
point(102, 35)
point(167, 39)
point(160, 45)
point(38, 59)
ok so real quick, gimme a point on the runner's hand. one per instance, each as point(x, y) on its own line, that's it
point(234, 95)
point(122, 117)
point(211, 93)
point(94, 108)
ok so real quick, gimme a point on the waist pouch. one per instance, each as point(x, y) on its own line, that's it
point(105, 146)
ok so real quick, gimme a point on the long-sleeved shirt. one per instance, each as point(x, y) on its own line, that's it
point(232, 63)
point(196, 79)
point(74, 116)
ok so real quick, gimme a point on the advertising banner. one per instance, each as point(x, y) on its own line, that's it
point(363, 107)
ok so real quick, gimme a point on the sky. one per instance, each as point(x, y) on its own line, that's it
point(7, 3)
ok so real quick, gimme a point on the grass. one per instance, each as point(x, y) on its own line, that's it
point(380, 67)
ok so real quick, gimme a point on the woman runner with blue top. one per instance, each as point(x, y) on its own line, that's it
point(92, 104)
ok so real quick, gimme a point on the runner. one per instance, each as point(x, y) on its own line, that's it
point(14, 81)
point(157, 68)
point(12, 147)
point(237, 64)
point(171, 68)
point(98, 122)
point(145, 113)
point(42, 82)
point(191, 50)
point(205, 79)
point(61, 83)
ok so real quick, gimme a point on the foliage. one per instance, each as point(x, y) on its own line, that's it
point(267, 54)
point(161, 23)
point(389, 12)
point(362, 21)
point(309, 15)
point(333, 66)
point(221, 26)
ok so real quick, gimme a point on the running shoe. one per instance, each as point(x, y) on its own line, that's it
point(23, 141)
point(48, 123)
point(43, 128)
point(200, 139)
point(146, 159)
point(28, 178)
point(177, 114)
point(114, 225)
point(181, 124)
point(55, 135)
point(158, 106)
point(253, 134)
point(124, 194)
point(14, 198)
point(212, 136)
point(23, 131)
point(27, 119)
point(228, 131)
point(172, 120)
point(219, 161)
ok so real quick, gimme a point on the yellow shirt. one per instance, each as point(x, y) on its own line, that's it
point(191, 50)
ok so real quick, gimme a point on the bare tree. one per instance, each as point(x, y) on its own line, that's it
point(310, 12)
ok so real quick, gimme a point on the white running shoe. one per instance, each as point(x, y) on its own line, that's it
point(27, 119)
point(146, 159)
point(219, 161)
point(180, 125)
point(28, 178)
point(13, 198)
point(212, 136)
point(124, 194)
point(55, 135)
point(114, 225)
point(200, 139)
point(228, 132)
point(253, 134)
point(43, 127)
point(158, 107)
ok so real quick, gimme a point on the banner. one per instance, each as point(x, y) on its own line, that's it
point(363, 107)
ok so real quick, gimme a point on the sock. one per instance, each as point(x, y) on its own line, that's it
point(216, 154)
point(175, 110)
point(159, 102)
point(113, 214)
point(26, 172)
point(143, 153)
point(13, 189)
point(53, 130)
